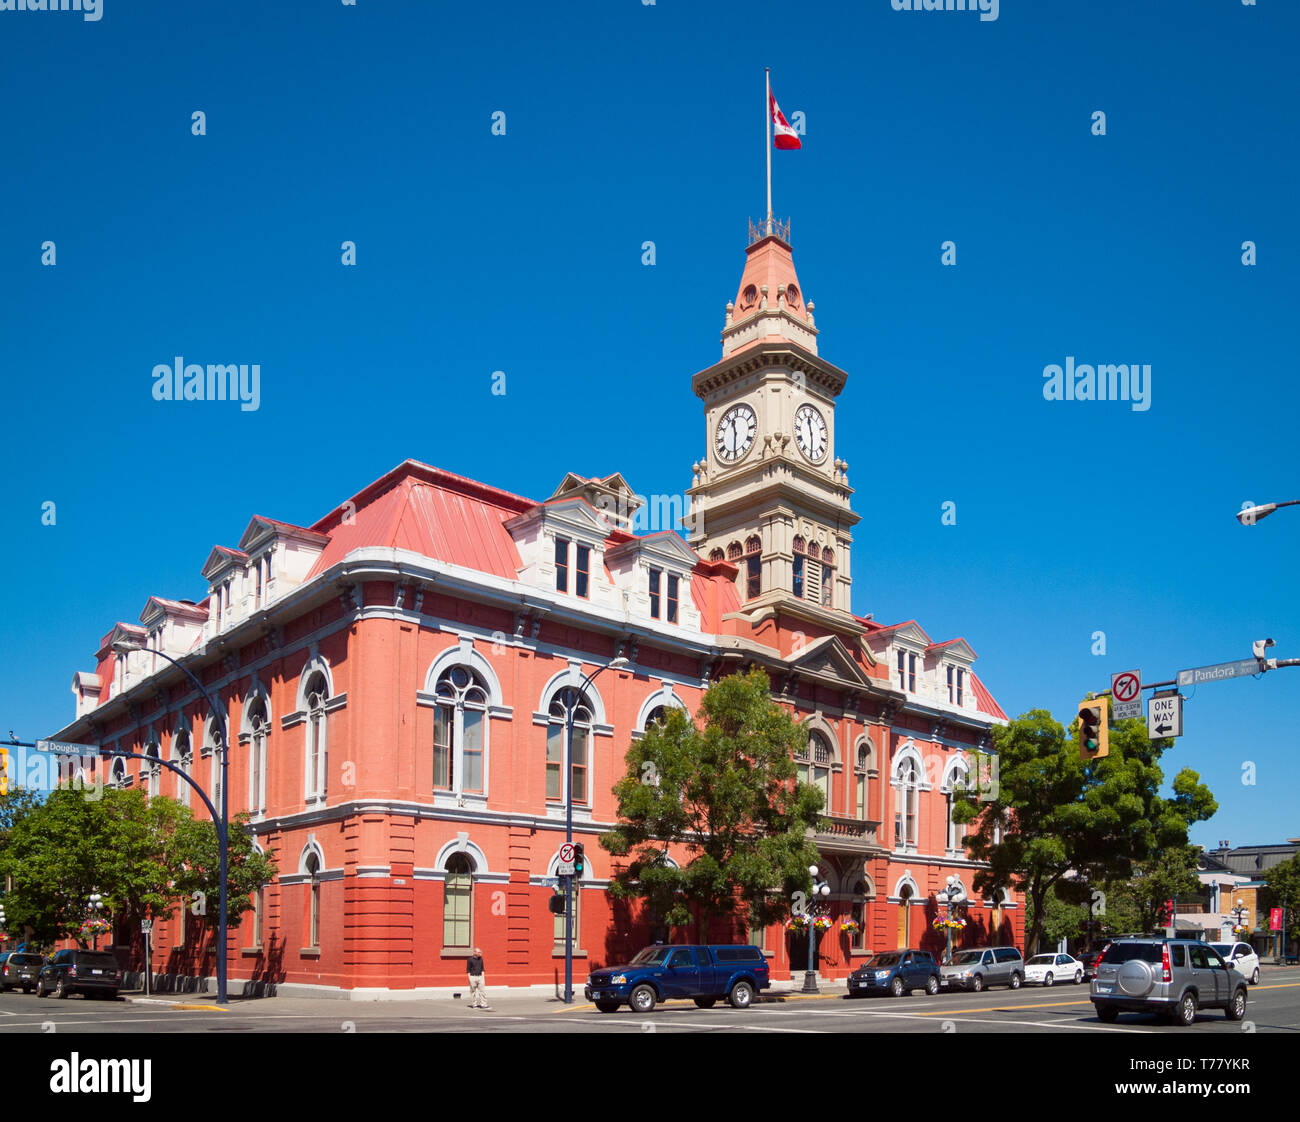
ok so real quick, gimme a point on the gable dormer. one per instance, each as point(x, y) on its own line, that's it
point(903, 648)
point(224, 571)
point(87, 689)
point(173, 626)
point(280, 556)
point(950, 663)
point(612, 498)
point(122, 670)
point(654, 575)
point(561, 546)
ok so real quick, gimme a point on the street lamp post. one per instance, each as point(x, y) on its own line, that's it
point(96, 906)
point(574, 694)
point(955, 894)
point(125, 646)
point(1248, 516)
point(819, 888)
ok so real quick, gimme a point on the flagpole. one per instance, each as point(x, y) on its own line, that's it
point(767, 112)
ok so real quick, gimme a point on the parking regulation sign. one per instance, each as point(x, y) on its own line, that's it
point(1126, 693)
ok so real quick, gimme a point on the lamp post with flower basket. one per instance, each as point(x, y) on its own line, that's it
point(813, 922)
point(95, 924)
point(954, 895)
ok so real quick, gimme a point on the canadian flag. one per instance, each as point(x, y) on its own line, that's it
point(783, 136)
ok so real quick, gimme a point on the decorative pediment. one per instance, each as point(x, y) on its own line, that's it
point(611, 497)
point(664, 548)
point(958, 650)
point(828, 660)
point(572, 516)
point(222, 558)
point(259, 529)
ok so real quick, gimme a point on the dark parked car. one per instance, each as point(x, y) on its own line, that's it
point(1171, 977)
point(19, 968)
point(1089, 960)
point(896, 973)
point(93, 973)
point(703, 973)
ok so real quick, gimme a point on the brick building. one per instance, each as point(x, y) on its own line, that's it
point(396, 678)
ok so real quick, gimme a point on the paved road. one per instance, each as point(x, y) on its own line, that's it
point(1274, 1007)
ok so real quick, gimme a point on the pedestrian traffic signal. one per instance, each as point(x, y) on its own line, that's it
point(556, 903)
point(1094, 728)
point(579, 859)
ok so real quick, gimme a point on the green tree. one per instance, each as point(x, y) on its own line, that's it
point(139, 854)
point(1169, 875)
point(1282, 890)
point(1051, 813)
point(724, 792)
point(1062, 919)
point(198, 880)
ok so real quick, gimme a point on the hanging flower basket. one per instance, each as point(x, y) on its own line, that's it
point(949, 924)
point(92, 927)
point(850, 926)
point(1240, 930)
point(797, 923)
point(823, 923)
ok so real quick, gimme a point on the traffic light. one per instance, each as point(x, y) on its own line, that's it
point(556, 903)
point(579, 859)
point(1094, 728)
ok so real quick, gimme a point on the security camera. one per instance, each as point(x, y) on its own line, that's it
point(1260, 646)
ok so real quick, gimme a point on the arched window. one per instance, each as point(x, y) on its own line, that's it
point(861, 788)
point(117, 773)
point(905, 916)
point(459, 731)
point(800, 546)
point(313, 901)
point(716, 555)
point(568, 701)
point(213, 749)
point(657, 715)
point(813, 766)
point(907, 780)
point(734, 551)
point(316, 756)
point(458, 904)
point(153, 769)
point(259, 728)
point(958, 778)
point(183, 757)
point(753, 567)
point(827, 575)
point(858, 913)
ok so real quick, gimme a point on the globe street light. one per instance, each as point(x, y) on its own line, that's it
point(126, 646)
point(96, 906)
point(574, 695)
point(822, 889)
point(955, 894)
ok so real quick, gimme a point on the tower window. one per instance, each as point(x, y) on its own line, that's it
point(798, 575)
point(753, 577)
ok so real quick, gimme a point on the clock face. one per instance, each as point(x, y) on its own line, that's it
point(810, 432)
point(735, 433)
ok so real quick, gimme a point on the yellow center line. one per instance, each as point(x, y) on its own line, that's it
point(958, 1011)
point(209, 1008)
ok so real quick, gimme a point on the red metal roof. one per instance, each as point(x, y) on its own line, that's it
point(984, 700)
point(435, 519)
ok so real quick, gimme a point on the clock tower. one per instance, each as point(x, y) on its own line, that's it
point(771, 495)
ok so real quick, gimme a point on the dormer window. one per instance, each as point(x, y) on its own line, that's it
point(561, 564)
point(583, 576)
point(657, 597)
point(956, 682)
point(907, 672)
point(672, 597)
point(656, 577)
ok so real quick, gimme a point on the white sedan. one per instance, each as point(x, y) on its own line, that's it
point(1242, 958)
point(1047, 969)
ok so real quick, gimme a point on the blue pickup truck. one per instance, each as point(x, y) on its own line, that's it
point(702, 973)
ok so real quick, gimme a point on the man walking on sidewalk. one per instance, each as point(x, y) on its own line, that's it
point(478, 996)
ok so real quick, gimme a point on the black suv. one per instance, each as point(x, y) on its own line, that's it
point(19, 968)
point(1173, 977)
point(93, 973)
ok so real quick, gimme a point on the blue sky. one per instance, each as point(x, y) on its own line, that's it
point(628, 123)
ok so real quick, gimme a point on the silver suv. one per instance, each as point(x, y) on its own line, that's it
point(980, 967)
point(1171, 977)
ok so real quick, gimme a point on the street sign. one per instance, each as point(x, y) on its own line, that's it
point(1165, 716)
point(146, 926)
point(1126, 693)
point(566, 854)
point(1242, 668)
point(1275, 919)
point(63, 748)
point(564, 869)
